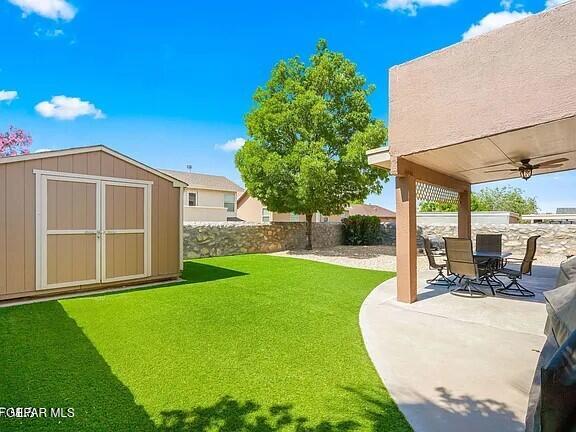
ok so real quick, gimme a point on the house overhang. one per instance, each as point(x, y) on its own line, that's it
point(380, 157)
point(487, 102)
point(491, 158)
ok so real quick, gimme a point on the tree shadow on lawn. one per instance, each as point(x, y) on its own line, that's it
point(230, 415)
point(47, 361)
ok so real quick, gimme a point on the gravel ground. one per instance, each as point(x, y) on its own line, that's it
point(375, 257)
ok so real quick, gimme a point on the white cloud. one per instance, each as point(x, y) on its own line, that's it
point(52, 9)
point(48, 34)
point(8, 95)
point(232, 145)
point(411, 6)
point(493, 21)
point(552, 3)
point(42, 150)
point(68, 108)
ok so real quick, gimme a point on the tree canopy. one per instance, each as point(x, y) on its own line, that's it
point(507, 198)
point(309, 131)
point(14, 142)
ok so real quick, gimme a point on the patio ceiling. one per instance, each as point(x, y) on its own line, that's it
point(471, 160)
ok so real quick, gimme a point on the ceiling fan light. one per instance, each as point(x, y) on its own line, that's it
point(525, 172)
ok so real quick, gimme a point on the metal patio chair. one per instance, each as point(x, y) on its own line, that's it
point(490, 243)
point(440, 279)
point(514, 288)
point(460, 260)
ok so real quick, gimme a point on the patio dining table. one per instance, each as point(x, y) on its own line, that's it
point(492, 254)
point(492, 262)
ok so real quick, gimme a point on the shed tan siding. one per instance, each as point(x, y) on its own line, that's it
point(18, 217)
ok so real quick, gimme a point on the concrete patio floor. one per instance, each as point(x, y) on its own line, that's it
point(454, 363)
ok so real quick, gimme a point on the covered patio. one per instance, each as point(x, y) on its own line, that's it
point(495, 107)
point(498, 106)
point(454, 364)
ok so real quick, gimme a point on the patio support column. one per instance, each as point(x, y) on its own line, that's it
point(407, 275)
point(465, 213)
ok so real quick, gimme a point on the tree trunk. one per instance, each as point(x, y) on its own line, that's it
point(309, 232)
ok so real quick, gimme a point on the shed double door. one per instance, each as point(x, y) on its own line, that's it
point(93, 230)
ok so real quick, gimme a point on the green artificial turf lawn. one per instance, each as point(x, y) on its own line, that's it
point(248, 343)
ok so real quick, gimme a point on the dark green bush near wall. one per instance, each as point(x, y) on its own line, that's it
point(361, 230)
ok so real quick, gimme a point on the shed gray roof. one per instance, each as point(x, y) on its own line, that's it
point(205, 181)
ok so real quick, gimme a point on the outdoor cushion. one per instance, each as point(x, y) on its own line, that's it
point(561, 308)
point(567, 272)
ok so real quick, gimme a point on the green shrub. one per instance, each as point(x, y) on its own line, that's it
point(361, 230)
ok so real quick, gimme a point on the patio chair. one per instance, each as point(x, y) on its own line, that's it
point(440, 278)
point(460, 260)
point(514, 288)
point(490, 243)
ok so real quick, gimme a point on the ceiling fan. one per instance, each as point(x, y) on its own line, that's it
point(525, 168)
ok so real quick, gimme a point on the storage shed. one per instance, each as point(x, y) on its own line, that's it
point(86, 218)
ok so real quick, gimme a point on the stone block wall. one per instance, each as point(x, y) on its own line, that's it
point(556, 240)
point(218, 239)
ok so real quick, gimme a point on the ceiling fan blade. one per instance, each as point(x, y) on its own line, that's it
point(551, 162)
point(501, 170)
point(547, 166)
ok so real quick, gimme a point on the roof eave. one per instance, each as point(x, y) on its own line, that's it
point(88, 149)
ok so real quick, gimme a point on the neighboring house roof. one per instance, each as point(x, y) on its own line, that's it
point(79, 150)
point(370, 210)
point(565, 210)
point(205, 181)
point(242, 198)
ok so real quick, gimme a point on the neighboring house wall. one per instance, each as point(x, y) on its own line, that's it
point(286, 217)
point(206, 214)
point(447, 218)
point(208, 198)
point(250, 210)
point(210, 205)
point(550, 218)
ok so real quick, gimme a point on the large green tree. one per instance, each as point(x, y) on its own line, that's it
point(507, 198)
point(309, 131)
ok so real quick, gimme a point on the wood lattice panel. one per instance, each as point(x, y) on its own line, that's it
point(434, 193)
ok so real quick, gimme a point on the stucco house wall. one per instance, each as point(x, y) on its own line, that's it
point(250, 210)
point(209, 207)
point(211, 192)
point(430, 91)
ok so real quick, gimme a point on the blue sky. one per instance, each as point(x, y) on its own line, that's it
point(168, 83)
